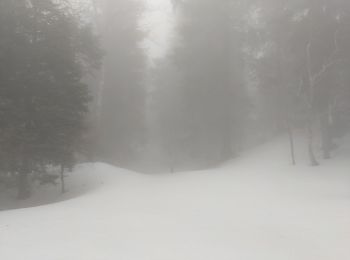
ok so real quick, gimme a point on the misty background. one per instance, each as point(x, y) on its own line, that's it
point(174, 129)
point(161, 86)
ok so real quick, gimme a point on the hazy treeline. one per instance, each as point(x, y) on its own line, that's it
point(240, 72)
point(76, 80)
point(122, 95)
point(45, 50)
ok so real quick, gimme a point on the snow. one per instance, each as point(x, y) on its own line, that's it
point(257, 207)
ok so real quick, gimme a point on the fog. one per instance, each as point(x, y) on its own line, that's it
point(150, 96)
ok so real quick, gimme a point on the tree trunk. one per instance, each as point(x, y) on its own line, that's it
point(171, 162)
point(291, 143)
point(310, 136)
point(326, 136)
point(23, 185)
point(63, 188)
point(226, 146)
point(227, 55)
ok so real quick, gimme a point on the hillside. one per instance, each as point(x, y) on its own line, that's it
point(257, 207)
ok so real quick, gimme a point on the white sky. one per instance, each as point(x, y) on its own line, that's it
point(158, 22)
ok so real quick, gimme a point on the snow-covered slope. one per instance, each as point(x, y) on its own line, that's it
point(257, 207)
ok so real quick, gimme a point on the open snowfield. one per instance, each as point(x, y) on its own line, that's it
point(257, 207)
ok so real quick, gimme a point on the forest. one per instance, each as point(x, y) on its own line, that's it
point(234, 75)
point(168, 88)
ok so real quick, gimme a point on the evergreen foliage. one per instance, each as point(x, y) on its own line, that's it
point(44, 51)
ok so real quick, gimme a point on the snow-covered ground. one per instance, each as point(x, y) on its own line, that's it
point(257, 207)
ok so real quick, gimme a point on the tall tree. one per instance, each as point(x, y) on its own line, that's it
point(43, 101)
point(208, 57)
point(123, 96)
point(307, 41)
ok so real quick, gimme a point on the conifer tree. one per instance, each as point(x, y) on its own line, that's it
point(43, 101)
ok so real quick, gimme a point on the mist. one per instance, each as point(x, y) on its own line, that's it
point(174, 129)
